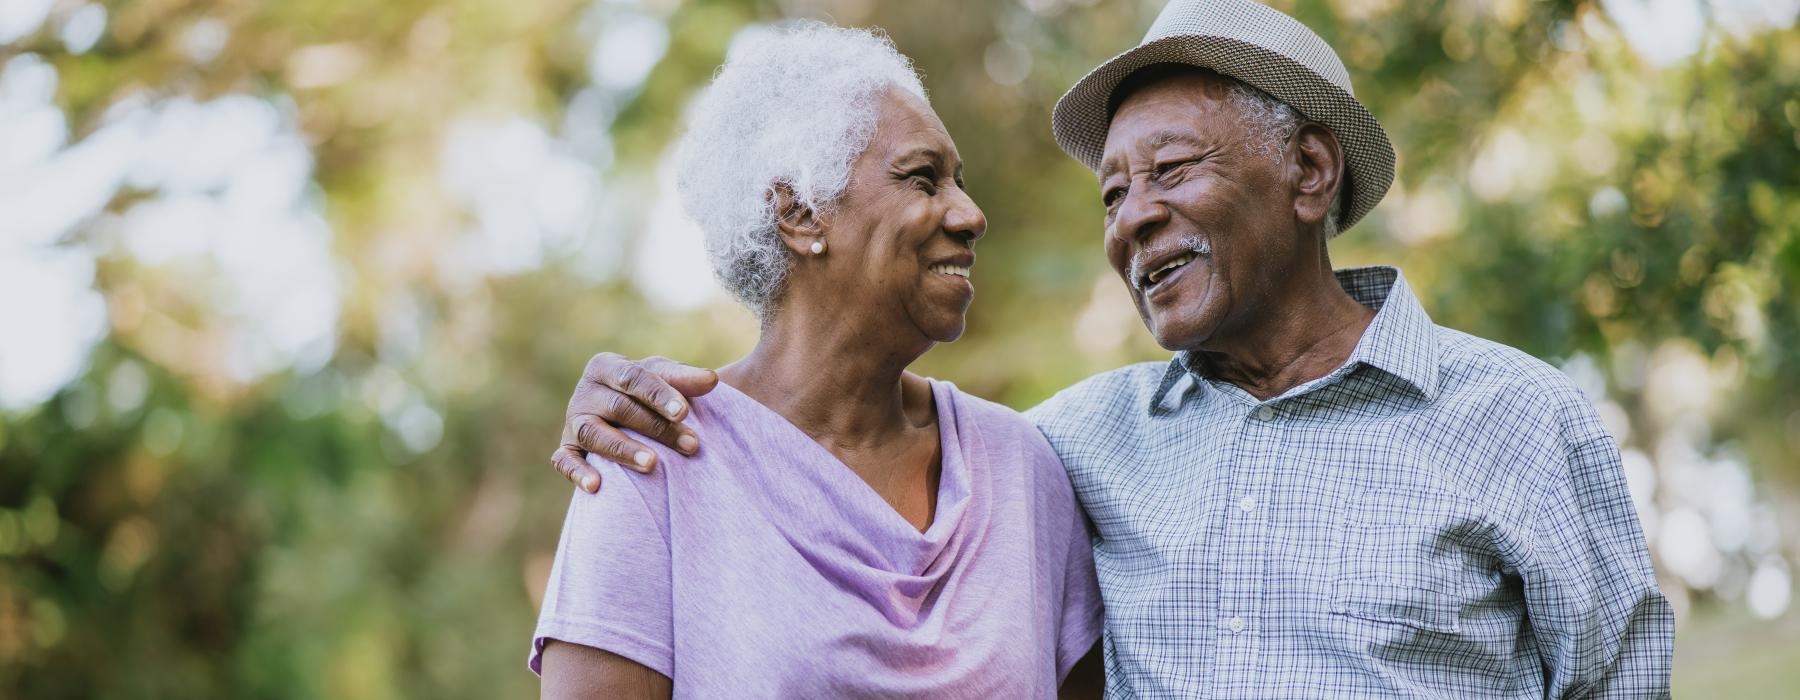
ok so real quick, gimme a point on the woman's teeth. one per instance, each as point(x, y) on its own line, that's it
point(1163, 271)
point(950, 270)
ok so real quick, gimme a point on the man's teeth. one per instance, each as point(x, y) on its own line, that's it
point(1163, 271)
point(950, 270)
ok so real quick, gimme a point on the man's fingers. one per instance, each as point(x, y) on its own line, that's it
point(641, 397)
point(596, 399)
point(569, 462)
point(621, 411)
point(669, 400)
point(690, 381)
point(594, 435)
point(635, 380)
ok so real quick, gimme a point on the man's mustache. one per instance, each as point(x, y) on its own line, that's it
point(1190, 242)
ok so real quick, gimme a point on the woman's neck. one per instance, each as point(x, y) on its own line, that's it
point(835, 380)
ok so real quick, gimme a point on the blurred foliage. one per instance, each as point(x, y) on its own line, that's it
point(378, 524)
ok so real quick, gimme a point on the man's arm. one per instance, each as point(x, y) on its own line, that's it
point(648, 396)
point(1603, 627)
point(576, 672)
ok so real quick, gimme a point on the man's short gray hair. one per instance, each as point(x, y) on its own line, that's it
point(793, 105)
point(1271, 123)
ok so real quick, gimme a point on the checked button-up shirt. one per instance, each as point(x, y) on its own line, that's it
point(1442, 516)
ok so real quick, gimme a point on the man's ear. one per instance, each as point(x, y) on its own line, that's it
point(797, 223)
point(1316, 170)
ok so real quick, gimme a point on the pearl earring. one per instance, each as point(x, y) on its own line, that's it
point(818, 247)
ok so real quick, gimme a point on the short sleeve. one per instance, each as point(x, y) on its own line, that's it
point(1081, 612)
point(610, 585)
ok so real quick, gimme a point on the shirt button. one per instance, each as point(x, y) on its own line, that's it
point(1265, 413)
point(1237, 625)
point(1248, 503)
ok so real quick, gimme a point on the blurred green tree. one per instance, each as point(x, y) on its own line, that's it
point(216, 506)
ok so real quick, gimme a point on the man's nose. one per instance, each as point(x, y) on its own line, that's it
point(1139, 215)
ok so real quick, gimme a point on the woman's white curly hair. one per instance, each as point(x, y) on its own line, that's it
point(795, 105)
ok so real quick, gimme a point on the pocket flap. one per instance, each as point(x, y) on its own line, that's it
point(1388, 601)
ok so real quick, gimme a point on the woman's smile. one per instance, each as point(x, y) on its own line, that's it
point(948, 269)
point(953, 274)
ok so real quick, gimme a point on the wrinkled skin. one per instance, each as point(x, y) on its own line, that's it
point(1258, 303)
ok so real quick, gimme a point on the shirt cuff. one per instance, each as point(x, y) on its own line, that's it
point(656, 656)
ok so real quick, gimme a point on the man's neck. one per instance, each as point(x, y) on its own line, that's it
point(1304, 332)
point(830, 378)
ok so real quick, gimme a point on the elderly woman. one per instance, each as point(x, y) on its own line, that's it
point(852, 529)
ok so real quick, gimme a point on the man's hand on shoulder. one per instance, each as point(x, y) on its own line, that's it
point(648, 396)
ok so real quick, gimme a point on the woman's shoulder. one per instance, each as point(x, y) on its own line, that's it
point(1003, 442)
point(973, 405)
point(712, 417)
point(991, 419)
point(733, 430)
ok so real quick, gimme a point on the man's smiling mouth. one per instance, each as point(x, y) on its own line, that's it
point(1161, 272)
point(1153, 266)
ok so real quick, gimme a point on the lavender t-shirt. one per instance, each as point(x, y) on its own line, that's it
point(764, 567)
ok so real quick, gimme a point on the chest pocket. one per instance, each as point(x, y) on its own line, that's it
point(1410, 557)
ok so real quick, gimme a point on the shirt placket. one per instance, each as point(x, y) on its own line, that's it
point(1245, 550)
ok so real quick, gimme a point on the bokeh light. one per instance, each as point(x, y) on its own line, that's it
point(292, 294)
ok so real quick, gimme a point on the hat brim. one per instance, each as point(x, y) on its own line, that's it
point(1083, 115)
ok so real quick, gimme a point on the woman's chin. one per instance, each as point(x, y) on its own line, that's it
point(939, 320)
point(948, 331)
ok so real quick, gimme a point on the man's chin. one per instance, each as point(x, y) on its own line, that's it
point(1182, 316)
point(1177, 334)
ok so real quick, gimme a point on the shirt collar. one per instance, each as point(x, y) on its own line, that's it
point(1401, 341)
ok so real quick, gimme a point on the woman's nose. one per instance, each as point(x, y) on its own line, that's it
point(964, 219)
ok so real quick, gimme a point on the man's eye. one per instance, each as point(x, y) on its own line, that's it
point(1171, 166)
point(1112, 196)
point(924, 176)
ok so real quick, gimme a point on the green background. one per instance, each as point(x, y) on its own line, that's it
point(217, 504)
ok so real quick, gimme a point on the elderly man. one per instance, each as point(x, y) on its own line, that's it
point(1323, 494)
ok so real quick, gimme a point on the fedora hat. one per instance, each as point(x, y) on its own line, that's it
point(1262, 47)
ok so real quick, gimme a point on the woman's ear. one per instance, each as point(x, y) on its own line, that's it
point(1316, 171)
point(799, 226)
